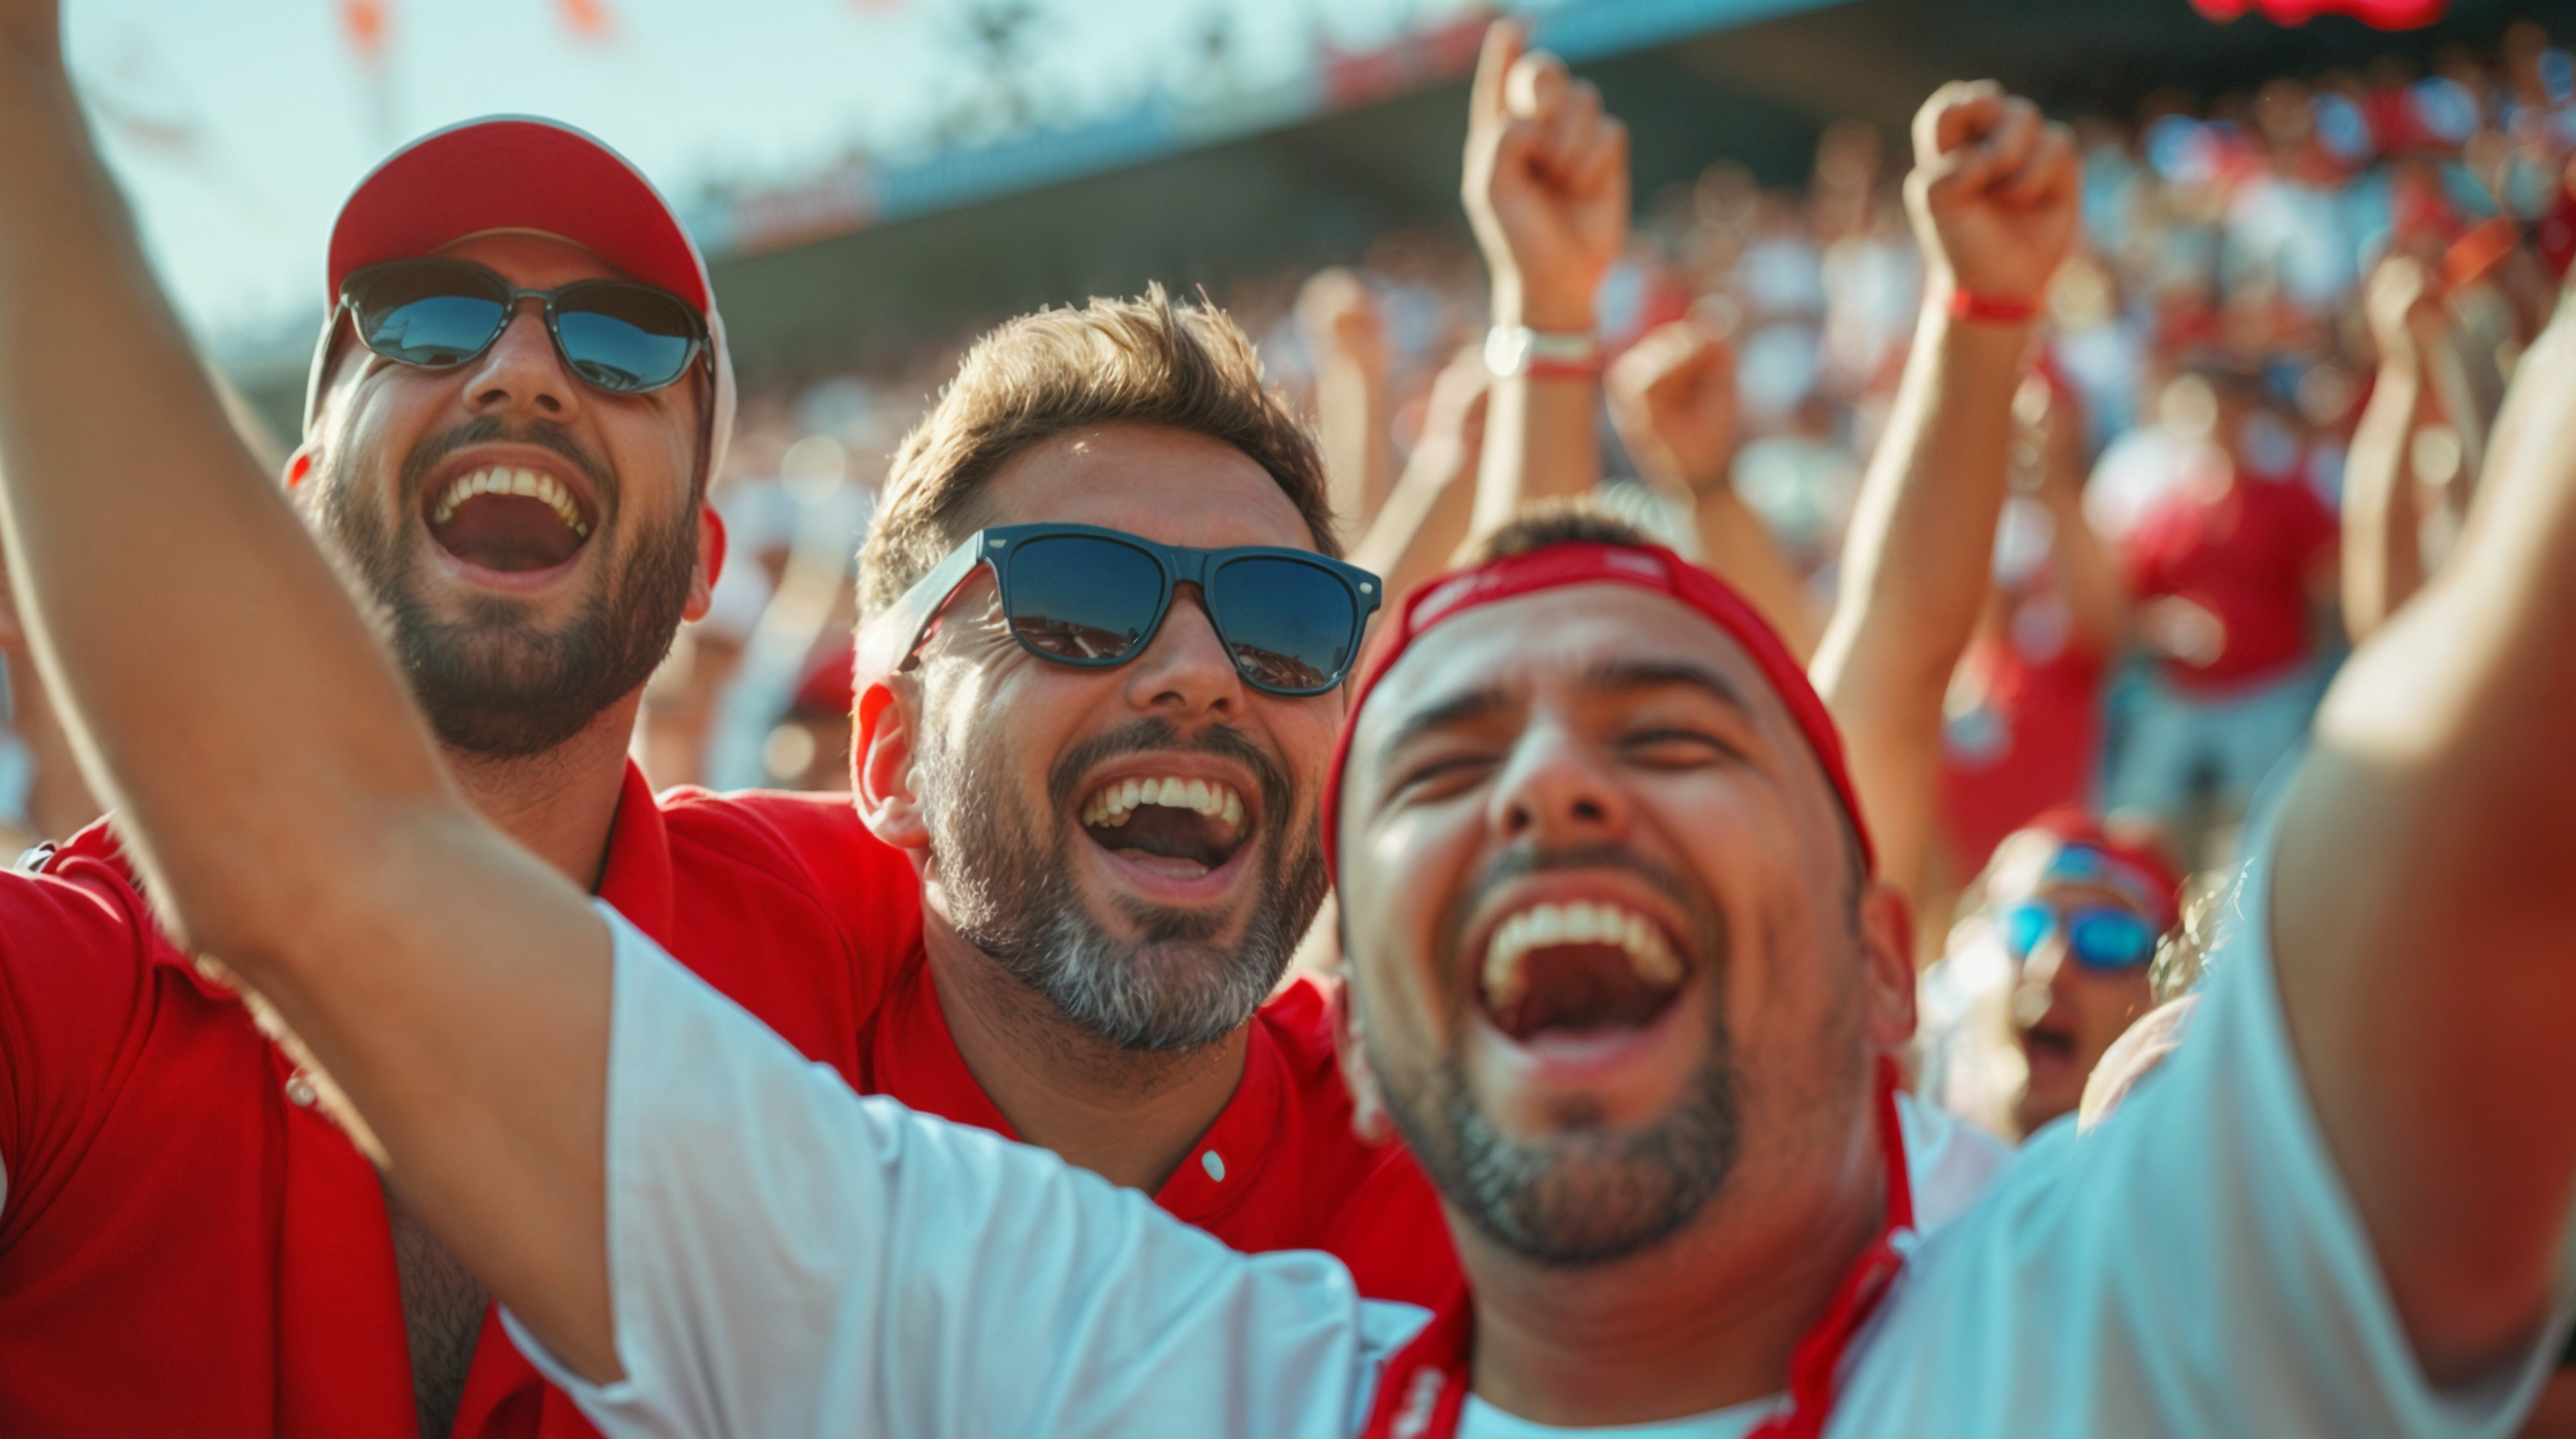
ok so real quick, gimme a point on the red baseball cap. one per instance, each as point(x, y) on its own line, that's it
point(521, 172)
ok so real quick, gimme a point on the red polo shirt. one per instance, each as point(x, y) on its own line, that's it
point(187, 1249)
point(1279, 1169)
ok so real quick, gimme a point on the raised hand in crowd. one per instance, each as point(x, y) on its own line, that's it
point(1993, 196)
point(1417, 532)
point(1673, 398)
point(1346, 336)
point(1546, 190)
point(2383, 556)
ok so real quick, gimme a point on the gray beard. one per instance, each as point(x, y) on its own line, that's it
point(1591, 1194)
point(1011, 895)
point(492, 684)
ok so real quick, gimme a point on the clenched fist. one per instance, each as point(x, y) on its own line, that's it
point(1546, 184)
point(1672, 397)
point(1993, 192)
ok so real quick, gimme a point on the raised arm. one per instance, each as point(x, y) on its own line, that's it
point(2383, 558)
point(2425, 895)
point(1347, 338)
point(1547, 192)
point(1993, 197)
point(1425, 518)
point(1673, 399)
point(286, 801)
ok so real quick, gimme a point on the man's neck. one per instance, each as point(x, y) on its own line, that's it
point(1130, 1117)
point(560, 803)
point(1700, 1323)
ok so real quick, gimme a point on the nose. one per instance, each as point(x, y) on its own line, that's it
point(1185, 672)
point(1556, 792)
point(521, 377)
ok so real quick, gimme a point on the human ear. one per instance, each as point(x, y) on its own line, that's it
point(1369, 1119)
point(881, 763)
point(1887, 944)
point(711, 558)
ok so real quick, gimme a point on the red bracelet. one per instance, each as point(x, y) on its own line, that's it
point(1993, 309)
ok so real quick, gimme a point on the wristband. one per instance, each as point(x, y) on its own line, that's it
point(1993, 309)
point(1541, 354)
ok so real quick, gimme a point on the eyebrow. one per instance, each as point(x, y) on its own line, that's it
point(1450, 713)
point(1613, 678)
point(1625, 677)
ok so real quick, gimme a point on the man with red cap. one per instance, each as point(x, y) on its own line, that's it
point(515, 409)
point(1622, 970)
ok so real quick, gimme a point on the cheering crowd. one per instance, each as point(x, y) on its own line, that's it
point(1331, 944)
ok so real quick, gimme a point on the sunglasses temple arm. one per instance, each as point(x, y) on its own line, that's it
point(888, 640)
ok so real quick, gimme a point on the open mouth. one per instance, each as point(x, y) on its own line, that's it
point(1175, 826)
point(2046, 1043)
point(1583, 967)
point(508, 519)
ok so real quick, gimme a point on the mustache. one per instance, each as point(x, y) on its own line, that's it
point(1147, 735)
point(430, 453)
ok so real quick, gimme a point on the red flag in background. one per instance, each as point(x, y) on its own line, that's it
point(589, 20)
point(367, 23)
point(2378, 14)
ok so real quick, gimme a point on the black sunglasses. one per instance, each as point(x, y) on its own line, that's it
point(622, 336)
point(1083, 595)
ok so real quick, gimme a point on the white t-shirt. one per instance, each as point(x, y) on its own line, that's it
point(788, 1258)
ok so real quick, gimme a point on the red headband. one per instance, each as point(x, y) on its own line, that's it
point(1648, 567)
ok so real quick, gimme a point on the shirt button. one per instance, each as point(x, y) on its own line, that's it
point(1214, 1164)
point(299, 1091)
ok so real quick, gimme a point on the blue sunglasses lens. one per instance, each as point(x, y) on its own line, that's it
point(433, 316)
point(625, 337)
point(2110, 939)
point(1083, 599)
point(1290, 624)
point(2025, 926)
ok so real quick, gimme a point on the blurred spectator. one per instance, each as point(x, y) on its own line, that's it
point(2231, 569)
point(2046, 967)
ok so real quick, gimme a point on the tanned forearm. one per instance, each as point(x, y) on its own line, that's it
point(2383, 561)
point(1739, 547)
point(289, 809)
point(2425, 894)
point(1915, 573)
point(1540, 442)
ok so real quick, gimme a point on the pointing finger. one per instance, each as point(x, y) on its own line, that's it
point(1504, 41)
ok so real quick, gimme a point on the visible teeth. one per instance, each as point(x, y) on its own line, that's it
point(1543, 925)
point(1117, 801)
point(498, 480)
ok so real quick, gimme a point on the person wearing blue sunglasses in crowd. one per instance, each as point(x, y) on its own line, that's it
point(2046, 969)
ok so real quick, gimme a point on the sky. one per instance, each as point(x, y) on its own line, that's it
point(237, 126)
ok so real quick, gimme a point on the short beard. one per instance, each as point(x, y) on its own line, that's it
point(1012, 896)
point(1591, 1195)
point(492, 684)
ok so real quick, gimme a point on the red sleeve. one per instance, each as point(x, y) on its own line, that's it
point(869, 887)
point(75, 1006)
